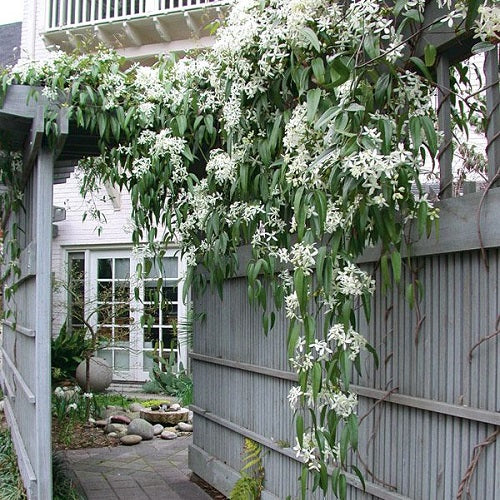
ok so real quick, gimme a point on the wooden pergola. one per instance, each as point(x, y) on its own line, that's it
point(26, 368)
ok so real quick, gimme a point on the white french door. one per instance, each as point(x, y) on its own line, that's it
point(135, 315)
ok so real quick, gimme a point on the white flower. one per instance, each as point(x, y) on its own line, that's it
point(221, 166)
point(293, 396)
point(58, 391)
point(88, 395)
point(292, 305)
point(321, 348)
point(71, 407)
point(302, 256)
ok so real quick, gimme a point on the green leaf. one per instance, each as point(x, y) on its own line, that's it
point(430, 134)
point(299, 427)
point(316, 379)
point(303, 481)
point(311, 37)
point(415, 132)
point(360, 476)
point(318, 67)
point(422, 67)
point(340, 73)
point(370, 44)
point(352, 422)
point(313, 98)
point(430, 54)
point(381, 88)
point(293, 337)
point(300, 285)
point(480, 47)
point(396, 265)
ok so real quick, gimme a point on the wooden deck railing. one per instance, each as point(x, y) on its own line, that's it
point(63, 14)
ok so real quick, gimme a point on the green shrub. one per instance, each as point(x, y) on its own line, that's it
point(11, 485)
point(67, 350)
point(169, 379)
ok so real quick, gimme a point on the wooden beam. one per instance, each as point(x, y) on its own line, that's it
point(132, 34)
point(33, 142)
point(103, 36)
point(192, 24)
point(161, 29)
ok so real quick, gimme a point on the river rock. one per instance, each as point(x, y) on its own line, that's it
point(119, 428)
point(184, 427)
point(2, 406)
point(101, 423)
point(135, 407)
point(130, 439)
point(120, 419)
point(142, 428)
point(113, 434)
point(175, 407)
point(157, 429)
point(168, 435)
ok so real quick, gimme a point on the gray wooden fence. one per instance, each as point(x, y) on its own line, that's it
point(435, 396)
point(434, 400)
point(25, 349)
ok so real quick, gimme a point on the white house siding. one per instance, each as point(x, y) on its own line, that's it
point(77, 234)
point(32, 44)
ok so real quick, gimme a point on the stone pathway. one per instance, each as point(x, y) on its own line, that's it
point(154, 469)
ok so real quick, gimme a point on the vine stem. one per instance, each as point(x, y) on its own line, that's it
point(484, 339)
point(464, 486)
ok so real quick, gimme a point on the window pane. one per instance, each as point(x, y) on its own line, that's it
point(150, 292)
point(106, 355)
point(105, 314)
point(122, 291)
point(170, 267)
point(168, 338)
point(122, 360)
point(169, 293)
point(151, 337)
point(122, 269)
point(122, 314)
point(104, 291)
point(147, 361)
point(122, 334)
point(104, 269)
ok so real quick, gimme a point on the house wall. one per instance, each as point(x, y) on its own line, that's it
point(74, 233)
point(32, 44)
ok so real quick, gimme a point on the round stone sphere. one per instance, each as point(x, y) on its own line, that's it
point(101, 374)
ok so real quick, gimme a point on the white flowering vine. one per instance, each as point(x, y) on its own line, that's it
point(301, 133)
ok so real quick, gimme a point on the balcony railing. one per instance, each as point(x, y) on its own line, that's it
point(64, 14)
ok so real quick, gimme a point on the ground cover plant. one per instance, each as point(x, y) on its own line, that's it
point(302, 134)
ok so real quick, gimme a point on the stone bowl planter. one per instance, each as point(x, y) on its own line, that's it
point(101, 374)
point(166, 418)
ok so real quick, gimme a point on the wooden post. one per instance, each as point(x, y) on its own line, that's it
point(445, 154)
point(493, 108)
point(43, 202)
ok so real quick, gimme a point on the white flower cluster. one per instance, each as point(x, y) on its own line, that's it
point(353, 281)
point(349, 340)
point(309, 452)
point(302, 256)
point(222, 167)
point(488, 23)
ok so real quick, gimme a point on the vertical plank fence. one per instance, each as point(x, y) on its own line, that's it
point(25, 374)
point(434, 400)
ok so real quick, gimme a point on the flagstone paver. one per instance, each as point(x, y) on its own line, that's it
point(150, 470)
